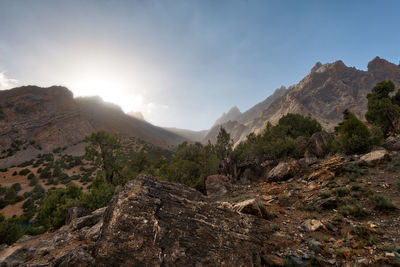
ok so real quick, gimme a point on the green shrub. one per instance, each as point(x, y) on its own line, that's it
point(14, 173)
point(24, 172)
point(342, 191)
point(382, 109)
point(382, 204)
point(56, 203)
point(353, 136)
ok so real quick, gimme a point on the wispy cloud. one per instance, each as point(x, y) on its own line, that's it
point(7, 83)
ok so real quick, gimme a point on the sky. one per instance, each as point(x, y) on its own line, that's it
point(182, 63)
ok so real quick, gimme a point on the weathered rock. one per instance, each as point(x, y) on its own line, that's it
point(251, 206)
point(217, 185)
point(283, 171)
point(317, 143)
point(75, 212)
point(327, 203)
point(312, 225)
point(88, 220)
point(64, 247)
point(376, 156)
point(328, 168)
point(392, 143)
point(157, 223)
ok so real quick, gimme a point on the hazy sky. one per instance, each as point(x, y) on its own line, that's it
point(184, 62)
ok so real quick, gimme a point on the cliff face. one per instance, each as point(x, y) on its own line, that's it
point(41, 119)
point(324, 93)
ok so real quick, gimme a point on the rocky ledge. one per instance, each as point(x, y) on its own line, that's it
point(151, 223)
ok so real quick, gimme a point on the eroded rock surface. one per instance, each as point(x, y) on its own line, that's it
point(151, 223)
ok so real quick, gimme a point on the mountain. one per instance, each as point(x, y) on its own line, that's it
point(324, 93)
point(236, 124)
point(194, 136)
point(231, 115)
point(256, 111)
point(138, 115)
point(37, 120)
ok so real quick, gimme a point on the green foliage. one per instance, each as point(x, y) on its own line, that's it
point(224, 145)
point(382, 109)
point(295, 125)
point(382, 204)
point(105, 149)
point(99, 195)
point(56, 202)
point(191, 165)
point(277, 142)
point(353, 136)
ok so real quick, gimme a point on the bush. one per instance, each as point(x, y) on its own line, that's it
point(56, 202)
point(99, 194)
point(24, 171)
point(382, 204)
point(295, 125)
point(382, 109)
point(353, 136)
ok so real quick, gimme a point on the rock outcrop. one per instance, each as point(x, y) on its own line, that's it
point(375, 156)
point(283, 171)
point(151, 223)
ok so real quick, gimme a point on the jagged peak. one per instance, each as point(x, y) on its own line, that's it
point(319, 67)
point(377, 63)
point(234, 109)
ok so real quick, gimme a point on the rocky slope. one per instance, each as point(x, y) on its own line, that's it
point(339, 211)
point(36, 120)
point(324, 93)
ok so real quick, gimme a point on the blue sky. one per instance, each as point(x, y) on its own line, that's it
point(184, 62)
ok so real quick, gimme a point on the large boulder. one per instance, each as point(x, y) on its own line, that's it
point(217, 185)
point(157, 223)
point(283, 171)
point(375, 156)
point(316, 144)
point(150, 222)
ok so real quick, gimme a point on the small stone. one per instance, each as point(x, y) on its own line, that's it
point(312, 225)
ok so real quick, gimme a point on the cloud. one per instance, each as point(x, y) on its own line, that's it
point(7, 83)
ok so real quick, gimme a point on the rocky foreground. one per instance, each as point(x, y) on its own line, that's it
point(152, 223)
point(340, 211)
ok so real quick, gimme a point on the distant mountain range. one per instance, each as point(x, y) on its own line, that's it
point(42, 119)
point(324, 94)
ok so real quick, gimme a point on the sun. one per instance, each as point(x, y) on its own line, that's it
point(110, 89)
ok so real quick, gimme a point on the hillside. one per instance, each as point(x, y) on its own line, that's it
point(324, 93)
point(37, 120)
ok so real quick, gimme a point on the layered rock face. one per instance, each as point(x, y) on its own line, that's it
point(152, 223)
point(324, 93)
point(47, 118)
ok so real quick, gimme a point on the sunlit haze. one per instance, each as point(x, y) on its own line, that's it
point(183, 63)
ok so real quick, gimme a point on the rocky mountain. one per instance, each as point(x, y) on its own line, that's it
point(236, 124)
point(36, 120)
point(324, 93)
point(231, 115)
